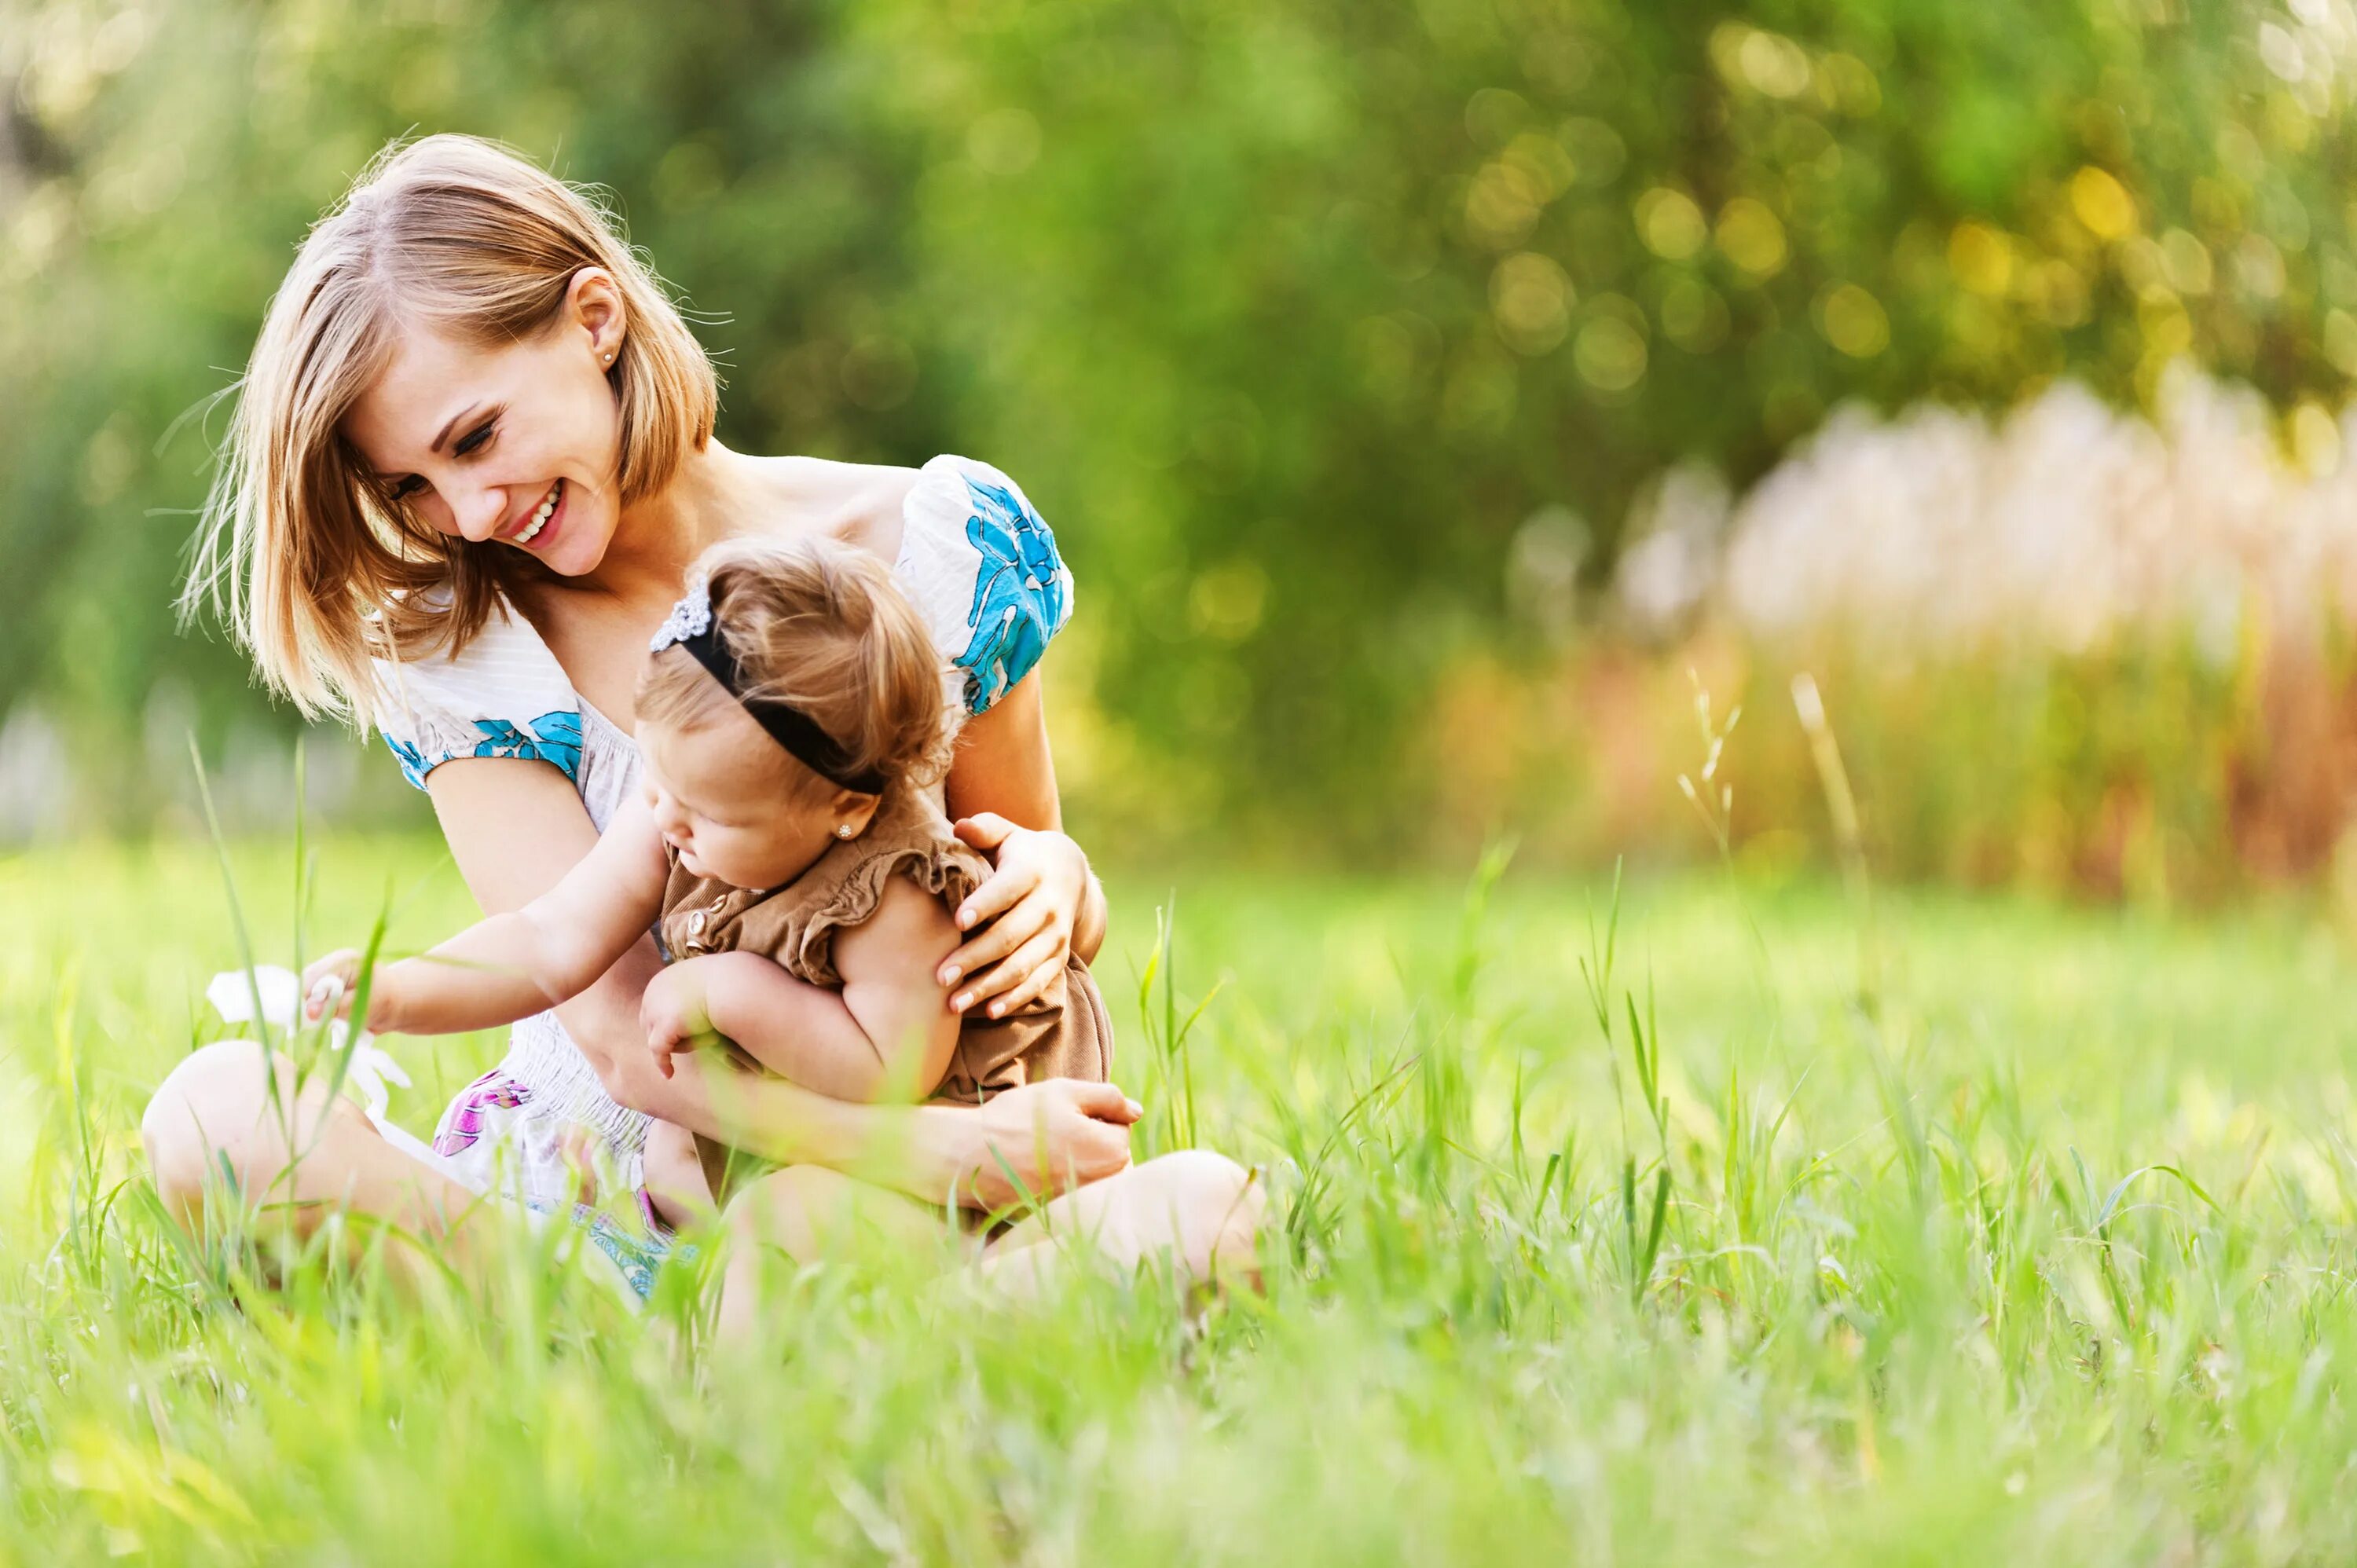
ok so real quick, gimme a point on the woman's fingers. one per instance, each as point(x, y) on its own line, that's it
point(1008, 985)
point(994, 979)
point(1004, 935)
point(1005, 888)
point(1105, 1102)
point(984, 831)
point(1054, 1134)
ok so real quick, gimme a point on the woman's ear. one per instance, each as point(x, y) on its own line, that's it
point(593, 306)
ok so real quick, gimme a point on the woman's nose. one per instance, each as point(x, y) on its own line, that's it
point(479, 513)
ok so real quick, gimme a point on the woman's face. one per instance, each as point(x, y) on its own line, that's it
point(516, 444)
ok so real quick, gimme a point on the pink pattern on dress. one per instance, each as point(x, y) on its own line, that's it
point(495, 1091)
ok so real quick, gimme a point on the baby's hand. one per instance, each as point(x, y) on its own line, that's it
point(674, 1013)
point(328, 984)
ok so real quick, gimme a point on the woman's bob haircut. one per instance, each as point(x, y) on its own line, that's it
point(315, 568)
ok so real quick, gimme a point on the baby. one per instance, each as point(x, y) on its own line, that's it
point(799, 874)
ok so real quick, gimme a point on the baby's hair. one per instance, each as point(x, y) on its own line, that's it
point(823, 627)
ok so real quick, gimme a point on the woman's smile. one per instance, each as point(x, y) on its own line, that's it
point(540, 523)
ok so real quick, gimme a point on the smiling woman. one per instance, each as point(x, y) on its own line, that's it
point(353, 407)
point(473, 457)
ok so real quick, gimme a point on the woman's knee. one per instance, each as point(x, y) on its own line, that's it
point(1214, 1207)
point(217, 1118)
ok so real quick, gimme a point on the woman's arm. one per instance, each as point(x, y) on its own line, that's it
point(516, 827)
point(1002, 787)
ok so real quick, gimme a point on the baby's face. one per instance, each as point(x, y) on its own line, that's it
point(720, 794)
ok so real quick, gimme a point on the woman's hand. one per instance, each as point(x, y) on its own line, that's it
point(1027, 912)
point(1049, 1136)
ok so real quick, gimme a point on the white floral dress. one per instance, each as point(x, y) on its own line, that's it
point(983, 570)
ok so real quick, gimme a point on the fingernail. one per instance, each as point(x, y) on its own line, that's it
point(1135, 1108)
point(965, 918)
point(997, 1009)
point(962, 1001)
point(949, 974)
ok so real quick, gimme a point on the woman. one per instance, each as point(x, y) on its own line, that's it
point(472, 459)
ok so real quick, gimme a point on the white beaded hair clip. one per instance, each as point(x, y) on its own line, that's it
point(691, 617)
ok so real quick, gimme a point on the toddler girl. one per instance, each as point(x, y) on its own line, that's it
point(799, 874)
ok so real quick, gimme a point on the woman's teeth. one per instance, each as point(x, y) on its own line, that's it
point(540, 518)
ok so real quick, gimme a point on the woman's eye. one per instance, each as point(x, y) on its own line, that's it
point(404, 488)
point(475, 439)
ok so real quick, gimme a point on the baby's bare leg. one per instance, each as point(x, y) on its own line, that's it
point(674, 1175)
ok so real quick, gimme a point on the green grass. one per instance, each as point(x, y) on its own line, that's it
point(1910, 1299)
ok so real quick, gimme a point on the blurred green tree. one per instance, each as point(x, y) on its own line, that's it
point(1308, 325)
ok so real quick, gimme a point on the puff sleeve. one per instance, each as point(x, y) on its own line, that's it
point(504, 695)
point(983, 570)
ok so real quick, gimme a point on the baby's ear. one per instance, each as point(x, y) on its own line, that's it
point(852, 812)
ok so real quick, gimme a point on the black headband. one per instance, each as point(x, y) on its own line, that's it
point(693, 627)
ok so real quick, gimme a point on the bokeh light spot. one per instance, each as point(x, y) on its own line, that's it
point(1980, 257)
point(2186, 261)
point(2315, 440)
point(2259, 266)
point(1852, 321)
point(1502, 203)
point(1694, 317)
point(1670, 223)
point(1530, 297)
point(2340, 342)
point(1228, 602)
point(2102, 204)
point(1753, 236)
point(1610, 354)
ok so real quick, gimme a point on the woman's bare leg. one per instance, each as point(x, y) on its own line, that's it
point(808, 1213)
point(215, 1130)
point(1201, 1210)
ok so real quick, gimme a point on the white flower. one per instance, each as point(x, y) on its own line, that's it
point(280, 991)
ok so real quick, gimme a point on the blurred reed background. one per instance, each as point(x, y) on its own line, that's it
point(1421, 393)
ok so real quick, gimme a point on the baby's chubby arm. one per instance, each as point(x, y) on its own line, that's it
point(513, 965)
point(888, 1034)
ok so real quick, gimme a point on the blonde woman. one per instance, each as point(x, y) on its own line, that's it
point(472, 459)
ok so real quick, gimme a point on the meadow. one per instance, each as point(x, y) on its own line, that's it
point(1753, 1223)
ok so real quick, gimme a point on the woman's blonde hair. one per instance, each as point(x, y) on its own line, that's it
point(315, 567)
point(820, 627)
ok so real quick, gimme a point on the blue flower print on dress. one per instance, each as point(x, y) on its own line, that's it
point(552, 737)
point(414, 766)
point(1018, 594)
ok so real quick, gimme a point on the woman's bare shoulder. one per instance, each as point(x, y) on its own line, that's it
point(858, 502)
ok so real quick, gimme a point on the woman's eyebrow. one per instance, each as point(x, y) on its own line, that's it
point(444, 434)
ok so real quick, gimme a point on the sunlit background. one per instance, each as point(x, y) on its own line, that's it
point(1430, 399)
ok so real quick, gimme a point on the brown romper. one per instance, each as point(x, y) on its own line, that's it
point(796, 924)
